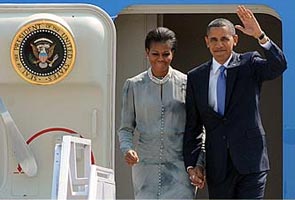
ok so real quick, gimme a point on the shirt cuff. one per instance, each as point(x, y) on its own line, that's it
point(188, 168)
point(266, 45)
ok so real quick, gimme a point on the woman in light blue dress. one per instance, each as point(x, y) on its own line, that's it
point(154, 107)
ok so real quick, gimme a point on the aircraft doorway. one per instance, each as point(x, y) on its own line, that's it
point(190, 26)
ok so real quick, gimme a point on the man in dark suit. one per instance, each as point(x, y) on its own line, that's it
point(223, 96)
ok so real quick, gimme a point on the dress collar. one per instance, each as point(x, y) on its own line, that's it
point(158, 80)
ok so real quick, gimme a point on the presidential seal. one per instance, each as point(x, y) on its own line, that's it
point(43, 52)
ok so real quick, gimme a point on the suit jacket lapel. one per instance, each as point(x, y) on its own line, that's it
point(232, 72)
point(204, 82)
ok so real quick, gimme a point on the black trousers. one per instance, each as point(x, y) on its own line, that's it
point(239, 186)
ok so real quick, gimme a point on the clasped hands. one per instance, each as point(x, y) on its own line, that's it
point(197, 176)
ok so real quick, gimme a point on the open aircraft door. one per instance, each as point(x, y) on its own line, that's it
point(57, 77)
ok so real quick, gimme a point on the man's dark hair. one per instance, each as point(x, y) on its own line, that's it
point(221, 22)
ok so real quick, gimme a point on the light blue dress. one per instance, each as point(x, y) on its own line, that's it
point(155, 109)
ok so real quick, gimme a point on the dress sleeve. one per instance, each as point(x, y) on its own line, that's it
point(128, 123)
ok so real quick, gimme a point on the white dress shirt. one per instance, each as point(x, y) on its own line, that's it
point(214, 73)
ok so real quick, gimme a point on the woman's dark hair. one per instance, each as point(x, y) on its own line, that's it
point(163, 35)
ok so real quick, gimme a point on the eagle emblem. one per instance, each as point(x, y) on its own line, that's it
point(43, 50)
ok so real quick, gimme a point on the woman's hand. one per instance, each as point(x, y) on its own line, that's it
point(131, 157)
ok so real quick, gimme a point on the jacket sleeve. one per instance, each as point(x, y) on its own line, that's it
point(193, 136)
point(270, 67)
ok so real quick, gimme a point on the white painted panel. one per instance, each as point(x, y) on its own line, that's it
point(83, 101)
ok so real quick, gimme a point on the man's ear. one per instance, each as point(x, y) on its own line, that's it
point(236, 39)
point(173, 52)
point(207, 41)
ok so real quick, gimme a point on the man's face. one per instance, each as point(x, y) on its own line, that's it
point(220, 42)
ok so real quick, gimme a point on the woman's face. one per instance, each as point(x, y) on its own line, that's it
point(160, 56)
